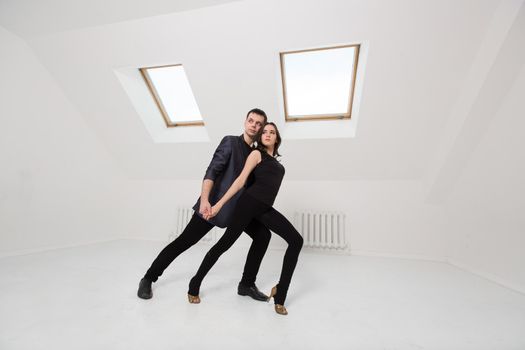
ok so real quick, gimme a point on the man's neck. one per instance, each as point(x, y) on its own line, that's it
point(247, 139)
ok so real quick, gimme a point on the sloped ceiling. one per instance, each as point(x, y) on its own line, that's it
point(29, 18)
point(420, 55)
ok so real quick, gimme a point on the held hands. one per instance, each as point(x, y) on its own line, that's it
point(214, 211)
point(205, 208)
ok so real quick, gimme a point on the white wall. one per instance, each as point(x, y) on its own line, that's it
point(486, 220)
point(384, 217)
point(58, 186)
point(151, 206)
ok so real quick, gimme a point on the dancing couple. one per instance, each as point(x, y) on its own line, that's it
point(231, 198)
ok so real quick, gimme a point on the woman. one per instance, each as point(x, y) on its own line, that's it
point(256, 203)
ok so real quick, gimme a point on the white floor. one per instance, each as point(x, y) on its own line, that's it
point(85, 298)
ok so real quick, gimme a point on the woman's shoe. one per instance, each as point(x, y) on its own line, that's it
point(194, 299)
point(280, 309)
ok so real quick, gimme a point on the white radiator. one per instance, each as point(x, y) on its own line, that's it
point(183, 216)
point(322, 230)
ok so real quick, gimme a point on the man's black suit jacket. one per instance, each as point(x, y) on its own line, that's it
point(225, 166)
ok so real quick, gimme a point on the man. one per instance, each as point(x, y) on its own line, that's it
point(226, 164)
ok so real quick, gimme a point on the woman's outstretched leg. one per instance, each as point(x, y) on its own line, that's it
point(277, 223)
point(226, 241)
point(246, 209)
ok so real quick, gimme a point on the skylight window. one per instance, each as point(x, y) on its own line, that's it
point(171, 90)
point(319, 83)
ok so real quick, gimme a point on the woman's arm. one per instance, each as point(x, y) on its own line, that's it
point(253, 159)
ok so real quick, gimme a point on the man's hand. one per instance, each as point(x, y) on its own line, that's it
point(205, 208)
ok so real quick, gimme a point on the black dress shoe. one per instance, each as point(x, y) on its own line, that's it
point(252, 292)
point(144, 291)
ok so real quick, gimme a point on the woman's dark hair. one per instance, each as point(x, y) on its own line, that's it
point(259, 112)
point(260, 146)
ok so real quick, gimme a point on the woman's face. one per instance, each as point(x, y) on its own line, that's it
point(269, 136)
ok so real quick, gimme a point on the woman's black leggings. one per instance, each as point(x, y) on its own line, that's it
point(248, 208)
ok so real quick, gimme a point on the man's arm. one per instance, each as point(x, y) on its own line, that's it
point(219, 160)
point(217, 165)
point(205, 207)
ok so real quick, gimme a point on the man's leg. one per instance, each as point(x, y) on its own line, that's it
point(261, 238)
point(194, 231)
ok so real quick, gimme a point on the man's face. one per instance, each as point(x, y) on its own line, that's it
point(253, 124)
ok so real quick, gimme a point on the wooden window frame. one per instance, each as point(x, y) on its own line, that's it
point(311, 117)
point(158, 102)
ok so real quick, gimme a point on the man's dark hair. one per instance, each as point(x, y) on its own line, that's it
point(259, 112)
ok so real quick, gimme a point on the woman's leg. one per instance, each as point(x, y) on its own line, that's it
point(245, 210)
point(277, 223)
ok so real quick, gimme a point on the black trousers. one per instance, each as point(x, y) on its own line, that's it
point(247, 210)
point(198, 228)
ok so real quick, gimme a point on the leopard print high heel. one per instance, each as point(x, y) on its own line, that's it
point(280, 309)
